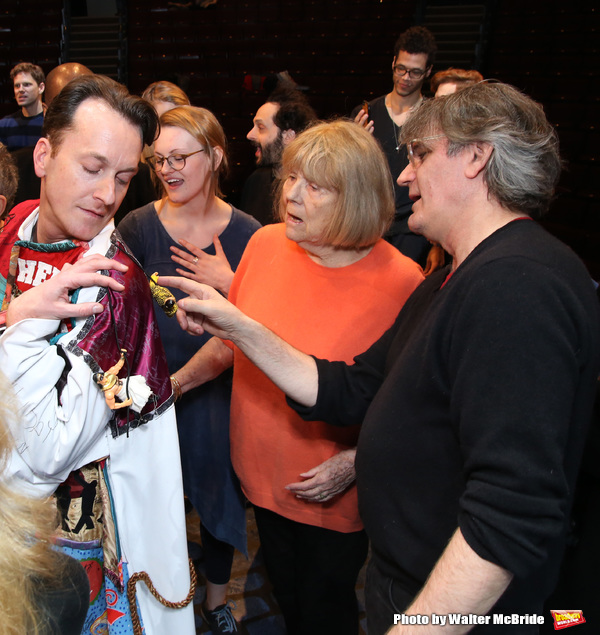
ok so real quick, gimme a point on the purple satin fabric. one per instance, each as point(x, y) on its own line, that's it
point(136, 331)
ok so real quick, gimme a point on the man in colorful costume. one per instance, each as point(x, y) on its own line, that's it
point(115, 471)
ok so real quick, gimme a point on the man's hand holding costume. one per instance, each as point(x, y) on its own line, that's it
point(51, 300)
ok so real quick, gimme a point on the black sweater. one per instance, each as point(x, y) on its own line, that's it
point(475, 406)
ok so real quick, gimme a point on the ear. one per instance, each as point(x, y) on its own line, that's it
point(477, 155)
point(41, 154)
point(41, 87)
point(428, 72)
point(2, 204)
point(288, 136)
point(217, 157)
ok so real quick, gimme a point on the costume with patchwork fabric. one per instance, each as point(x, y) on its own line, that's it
point(116, 472)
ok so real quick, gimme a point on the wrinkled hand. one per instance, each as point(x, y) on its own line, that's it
point(362, 119)
point(436, 258)
point(50, 300)
point(204, 268)
point(205, 310)
point(323, 482)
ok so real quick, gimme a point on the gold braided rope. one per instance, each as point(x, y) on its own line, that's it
point(142, 575)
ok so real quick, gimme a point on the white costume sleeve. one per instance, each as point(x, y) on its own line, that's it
point(54, 434)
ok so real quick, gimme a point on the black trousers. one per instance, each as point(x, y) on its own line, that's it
point(313, 572)
point(383, 598)
point(218, 557)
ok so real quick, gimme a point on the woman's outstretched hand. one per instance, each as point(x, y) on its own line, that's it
point(204, 310)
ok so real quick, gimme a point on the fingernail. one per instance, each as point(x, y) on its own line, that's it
point(98, 308)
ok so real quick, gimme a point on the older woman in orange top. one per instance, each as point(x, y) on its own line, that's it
point(325, 281)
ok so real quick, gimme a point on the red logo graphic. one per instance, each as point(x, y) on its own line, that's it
point(564, 619)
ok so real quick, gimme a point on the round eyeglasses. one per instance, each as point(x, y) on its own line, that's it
point(413, 73)
point(175, 161)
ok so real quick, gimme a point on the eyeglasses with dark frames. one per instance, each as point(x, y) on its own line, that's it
point(413, 73)
point(175, 161)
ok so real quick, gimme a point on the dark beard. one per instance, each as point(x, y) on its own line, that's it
point(271, 153)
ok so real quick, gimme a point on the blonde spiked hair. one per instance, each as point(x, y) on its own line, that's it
point(26, 525)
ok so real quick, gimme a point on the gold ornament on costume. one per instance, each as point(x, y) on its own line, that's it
point(165, 299)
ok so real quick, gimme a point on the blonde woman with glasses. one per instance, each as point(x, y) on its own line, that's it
point(193, 232)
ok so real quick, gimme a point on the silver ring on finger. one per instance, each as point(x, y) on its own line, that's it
point(195, 261)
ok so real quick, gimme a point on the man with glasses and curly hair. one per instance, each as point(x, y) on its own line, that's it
point(414, 54)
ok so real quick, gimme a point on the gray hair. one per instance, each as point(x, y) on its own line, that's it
point(525, 164)
point(343, 157)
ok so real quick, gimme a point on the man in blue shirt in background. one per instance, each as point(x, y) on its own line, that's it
point(24, 127)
